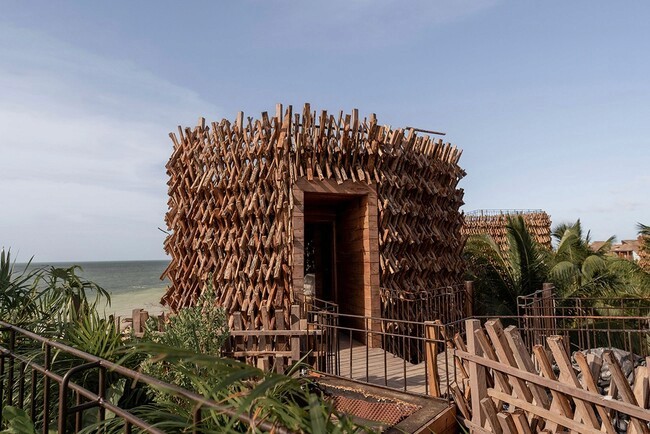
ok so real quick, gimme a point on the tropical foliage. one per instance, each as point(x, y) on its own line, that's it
point(501, 276)
point(59, 304)
point(573, 266)
point(577, 269)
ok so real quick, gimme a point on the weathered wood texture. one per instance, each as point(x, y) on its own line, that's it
point(536, 397)
point(494, 223)
point(231, 204)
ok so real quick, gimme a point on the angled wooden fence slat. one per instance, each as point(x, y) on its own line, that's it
point(536, 400)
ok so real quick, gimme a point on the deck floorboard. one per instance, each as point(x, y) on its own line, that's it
point(386, 369)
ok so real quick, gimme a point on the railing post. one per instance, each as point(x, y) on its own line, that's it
point(469, 304)
point(63, 392)
point(10, 377)
point(46, 389)
point(477, 373)
point(101, 415)
point(2, 381)
point(548, 304)
point(431, 336)
point(295, 339)
point(196, 419)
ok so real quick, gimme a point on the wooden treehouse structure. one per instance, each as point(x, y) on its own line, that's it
point(337, 206)
point(494, 222)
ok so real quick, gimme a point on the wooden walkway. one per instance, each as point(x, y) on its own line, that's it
point(385, 369)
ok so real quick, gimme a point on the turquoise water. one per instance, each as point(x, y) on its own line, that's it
point(131, 284)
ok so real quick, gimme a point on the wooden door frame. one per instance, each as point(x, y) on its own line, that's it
point(371, 278)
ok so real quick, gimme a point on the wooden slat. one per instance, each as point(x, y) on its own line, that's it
point(477, 373)
point(432, 335)
point(590, 385)
point(506, 422)
point(546, 414)
point(487, 405)
point(559, 386)
point(501, 348)
point(636, 426)
point(568, 375)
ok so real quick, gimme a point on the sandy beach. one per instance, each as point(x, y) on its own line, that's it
point(122, 304)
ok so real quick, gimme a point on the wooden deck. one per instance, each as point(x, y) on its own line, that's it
point(385, 369)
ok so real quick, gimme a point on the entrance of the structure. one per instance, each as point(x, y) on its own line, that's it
point(333, 260)
point(336, 250)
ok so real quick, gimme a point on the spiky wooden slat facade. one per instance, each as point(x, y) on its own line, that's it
point(230, 204)
point(494, 224)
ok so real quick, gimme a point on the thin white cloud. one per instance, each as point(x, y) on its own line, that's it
point(346, 25)
point(82, 150)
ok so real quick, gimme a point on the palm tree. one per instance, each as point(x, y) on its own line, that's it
point(502, 276)
point(577, 269)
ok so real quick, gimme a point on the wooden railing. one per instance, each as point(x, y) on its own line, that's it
point(512, 391)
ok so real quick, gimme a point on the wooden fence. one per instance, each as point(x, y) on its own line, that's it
point(512, 391)
point(274, 347)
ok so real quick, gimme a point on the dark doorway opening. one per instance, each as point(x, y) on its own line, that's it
point(334, 249)
point(320, 261)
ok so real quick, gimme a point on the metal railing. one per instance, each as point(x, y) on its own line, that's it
point(363, 349)
point(31, 371)
point(446, 304)
point(585, 322)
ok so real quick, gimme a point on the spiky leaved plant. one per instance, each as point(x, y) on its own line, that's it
point(502, 276)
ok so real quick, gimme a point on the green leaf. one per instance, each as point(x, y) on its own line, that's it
point(18, 421)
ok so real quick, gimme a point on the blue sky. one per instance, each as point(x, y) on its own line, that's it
point(550, 102)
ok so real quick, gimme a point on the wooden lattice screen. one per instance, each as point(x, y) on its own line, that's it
point(231, 202)
point(493, 223)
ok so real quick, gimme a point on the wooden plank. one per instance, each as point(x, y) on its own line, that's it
point(525, 362)
point(641, 386)
point(295, 327)
point(431, 335)
point(567, 375)
point(521, 422)
point(502, 349)
point(460, 401)
point(506, 422)
point(637, 427)
point(252, 353)
point(546, 414)
point(590, 385)
point(558, 386)
point(501, 380)
point(477, 373)
point(491, 415)
point(560, 402)
point(296, 332)
point(280, 342)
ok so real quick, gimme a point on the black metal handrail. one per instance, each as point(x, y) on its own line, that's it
point(95, 399)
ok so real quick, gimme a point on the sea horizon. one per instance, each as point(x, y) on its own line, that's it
point(132, 284)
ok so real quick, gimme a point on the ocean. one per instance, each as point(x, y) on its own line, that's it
point(131, 284)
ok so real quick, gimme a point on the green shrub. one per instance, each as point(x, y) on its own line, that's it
point(200, 329)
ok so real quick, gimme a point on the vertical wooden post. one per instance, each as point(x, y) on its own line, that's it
point(136, 325)
point(477, 373)
point(469, 304)
point(548, 309)
point(280, 341)
point(144, 317)
point(265, 341)
point(295, 339)
point(431, 335)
